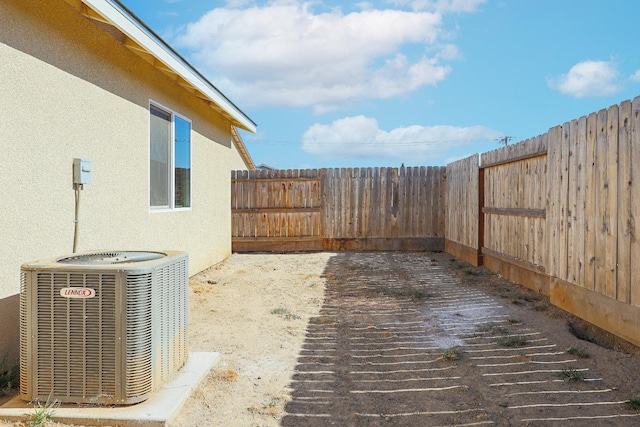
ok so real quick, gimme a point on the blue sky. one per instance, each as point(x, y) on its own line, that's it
point(383, 83)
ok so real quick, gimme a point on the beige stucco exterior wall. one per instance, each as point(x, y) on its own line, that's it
point(70, 90)
point(236, 162)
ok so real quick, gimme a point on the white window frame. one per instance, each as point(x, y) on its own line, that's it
point(172, 181)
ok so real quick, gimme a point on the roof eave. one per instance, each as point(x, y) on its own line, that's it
point(142, 40)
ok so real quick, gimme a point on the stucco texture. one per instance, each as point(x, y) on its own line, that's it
point(70, 90)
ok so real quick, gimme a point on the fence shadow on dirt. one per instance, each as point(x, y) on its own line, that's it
point(401, 340)
point(376, 353)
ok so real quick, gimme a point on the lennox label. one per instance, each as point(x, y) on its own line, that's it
point(77, 292)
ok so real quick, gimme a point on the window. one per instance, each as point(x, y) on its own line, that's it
point(169, 160)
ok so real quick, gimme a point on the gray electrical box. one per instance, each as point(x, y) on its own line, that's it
point(81, 171)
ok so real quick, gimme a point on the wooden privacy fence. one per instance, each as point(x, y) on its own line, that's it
point(557, 213)
point(462, 210)
point(338, 209)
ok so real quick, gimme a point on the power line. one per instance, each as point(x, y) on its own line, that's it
point(372, 143)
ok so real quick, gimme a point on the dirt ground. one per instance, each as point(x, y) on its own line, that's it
point(412, 339)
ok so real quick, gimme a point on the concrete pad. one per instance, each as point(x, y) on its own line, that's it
point(161, 407)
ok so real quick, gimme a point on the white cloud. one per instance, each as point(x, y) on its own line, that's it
point(361, 137)
point(440, 5)
point(635, 77)
point(286, 54)
point(588, 79)
point(237, 3)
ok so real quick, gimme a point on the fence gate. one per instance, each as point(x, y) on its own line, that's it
point(276, 210)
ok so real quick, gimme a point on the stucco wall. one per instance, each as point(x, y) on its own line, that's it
point(236, 162)
point(70, 90)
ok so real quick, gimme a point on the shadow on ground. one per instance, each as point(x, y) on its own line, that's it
point(402, 340)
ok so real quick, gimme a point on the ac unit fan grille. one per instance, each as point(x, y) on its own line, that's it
point(106, 258)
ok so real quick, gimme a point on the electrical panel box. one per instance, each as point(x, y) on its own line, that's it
point(81, 171)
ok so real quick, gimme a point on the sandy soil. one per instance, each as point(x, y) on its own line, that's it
point(255, 310)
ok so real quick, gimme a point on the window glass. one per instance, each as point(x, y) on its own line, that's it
point(169, 160)
point(160, 158)
point(183, 163)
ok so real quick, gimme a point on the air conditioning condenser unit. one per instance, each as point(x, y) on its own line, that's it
point(106, 327)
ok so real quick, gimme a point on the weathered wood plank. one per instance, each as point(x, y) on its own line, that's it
point(590, 219)
point(635, 203)
point(354, 202)
point(442, 198)
point(383, 226)
point(562, 186)
point(502, 156)
point(609, 314)
point(409, 197)
point(611, 247)
point(624, 229)
point(554, 165)
point(345, 219)
point(578, 175)
point(528, 275)
point(603, 203)
point(531, 213)
point(276, 210)
point(375, 217)
point(436, 193)
point(429, 200)
point(572, 207)
point(385, 244)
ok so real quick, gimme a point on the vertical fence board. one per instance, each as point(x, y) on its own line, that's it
point(554, 164)
point(561, 187)
point(603, 195)
point(345, 175)
point(635, 202)
point(384, 210)
point(375, 217)
point(611, 248)
point(572, 206)
point(407, 191)
point(590, 204)
point(578, 175)
point(442, 198)
point(430, 188)
point(624, 232)
point(356, 208)
point(339, 202)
